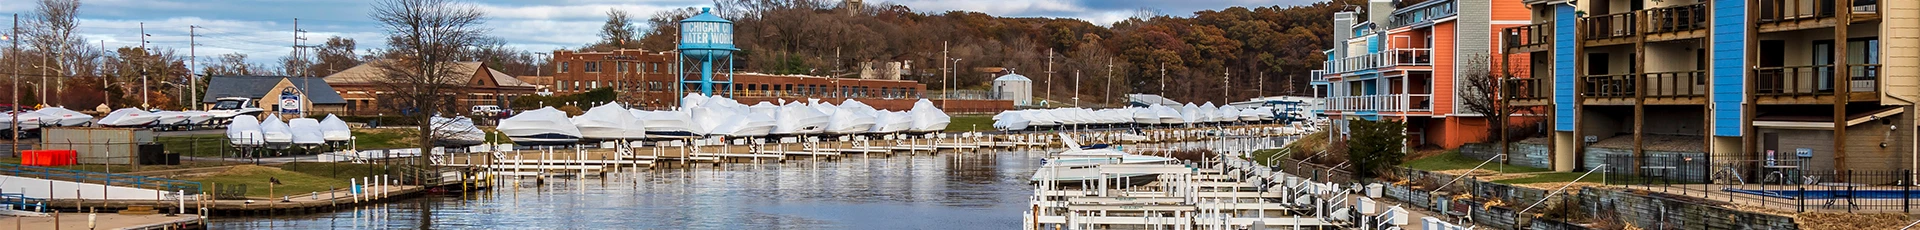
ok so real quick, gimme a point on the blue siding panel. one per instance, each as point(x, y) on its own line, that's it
point(1729, 60)
point(1563, 67)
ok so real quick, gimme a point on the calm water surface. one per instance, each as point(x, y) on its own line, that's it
point(984, 189)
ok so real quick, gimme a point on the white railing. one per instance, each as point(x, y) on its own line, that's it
point(1383, 103)
point(1388, 58)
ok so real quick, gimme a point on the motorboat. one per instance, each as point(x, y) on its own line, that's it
point(456, 132)
point(1168, 115)
point(306, 131)
point(129, 117)
point(544, 126)
point(66, 117)
point(1146, 116)
point(891, 122)
point(245, 131)
point(852, 117)
point(798, 118)
point(335, 130)
point(927, 118)
point(1076, 165)
point(26, 120)
point(666, 124)
point(610, 122)
point(276, 133)
point(746, 125)
point(1251, 115)
point(1011, 120)
point(197, 117)
point(170, 118)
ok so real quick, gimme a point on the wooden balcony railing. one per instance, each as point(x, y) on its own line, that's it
point(1785, 10)
point(1610, 26)
point(1528, 35)
point(1675, 84)
point(1526, 88)
point(1677, 18)
point(1609, 86)
point(1863, 77)
point(1793, 80)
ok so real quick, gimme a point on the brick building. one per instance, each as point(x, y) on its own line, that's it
point(361, 86)
point(646, 78)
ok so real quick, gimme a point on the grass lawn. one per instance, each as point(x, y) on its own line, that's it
point(1452, 160)
point(384, 138)
point(970, 123)
point(256, 179)
point(125, 169)
point(204, 145)
point(1561, 177)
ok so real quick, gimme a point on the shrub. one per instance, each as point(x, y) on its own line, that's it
point(1375, 146)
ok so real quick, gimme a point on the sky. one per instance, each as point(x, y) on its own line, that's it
point(264, 29)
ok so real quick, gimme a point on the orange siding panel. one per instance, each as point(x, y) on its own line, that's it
point(1506, 10)
point(1443, 66)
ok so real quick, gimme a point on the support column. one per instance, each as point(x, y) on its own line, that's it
point(1842, 82)
point(1639, 91)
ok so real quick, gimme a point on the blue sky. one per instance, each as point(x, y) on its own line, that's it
point(263, 29)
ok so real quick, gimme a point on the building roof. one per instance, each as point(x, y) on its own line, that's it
point(366, 73)
point(1150, 99)
point(1012, 77)
point(317, 90)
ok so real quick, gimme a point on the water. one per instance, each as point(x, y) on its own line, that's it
point(985, 189)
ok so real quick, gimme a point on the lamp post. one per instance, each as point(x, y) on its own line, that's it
point(43, 85)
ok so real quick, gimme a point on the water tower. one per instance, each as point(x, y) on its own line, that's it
point(706, 38)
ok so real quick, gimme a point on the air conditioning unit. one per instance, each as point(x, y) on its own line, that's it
point(1592, 139)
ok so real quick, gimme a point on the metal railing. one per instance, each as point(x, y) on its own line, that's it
point(1385, 58)
point(1863, 77)
point(1793, 80)
point(1384, 103)
point(1787, 10)
point(1527, 88)
point(1610, 26)
point(1784, 184)
point(1675, 84)
point(61, 174)
point(1410, 56)
point(1528, 35)
point(1677, 18)
point(1609, 86)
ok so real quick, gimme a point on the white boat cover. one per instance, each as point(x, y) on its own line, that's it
point(334, 129)
point(891, 122)
point(28, 120)
point(66, 116)
point(1146, 116)
point(457, 131)
point(610, 122)
point(306, 131)
point(853, 117)
point(666, 124)
point(171, 117)
point(927, 118)
point(1209, 112)
point(197, 117)
point(245, 131)
point(746, 125)
point(540, 127)
point(1190, 114)
point(798, 118)
point(1168, 115)
point(714, 112)
point(1250, 115)
point(1228, 113)
point(128, 117)
point(692, 100)
point(764, 108)
point(1011, 120)
point(276, 132)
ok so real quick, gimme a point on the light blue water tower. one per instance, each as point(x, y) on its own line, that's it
point(707, 38)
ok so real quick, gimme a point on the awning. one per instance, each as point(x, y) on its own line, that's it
point(1812, 122)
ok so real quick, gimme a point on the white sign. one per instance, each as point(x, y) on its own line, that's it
point(706, 33)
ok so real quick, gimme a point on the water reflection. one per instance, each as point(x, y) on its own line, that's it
point(985, 189)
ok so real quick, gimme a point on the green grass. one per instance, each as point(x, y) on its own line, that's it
point(970, 123)
point(1453, 160)
point(1561, 177)
point(1262, 156)
point(384, 138)
point(127, 169)
point(256, 179)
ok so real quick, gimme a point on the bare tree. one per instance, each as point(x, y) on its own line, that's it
point(425, 39)
point(619, 30)
point(51, 33)
point(232, 64)
point(1480, 93)
point(336, 55)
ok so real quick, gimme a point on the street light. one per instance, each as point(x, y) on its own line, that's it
point(43, 80)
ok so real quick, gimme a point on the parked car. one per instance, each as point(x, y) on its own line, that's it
point(487, 110)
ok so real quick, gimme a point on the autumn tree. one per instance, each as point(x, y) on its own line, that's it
point(619, 31)
point(425, 38)
point(337, 54)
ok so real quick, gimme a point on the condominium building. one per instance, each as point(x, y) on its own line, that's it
point(1408, 64)
point(1816, 85)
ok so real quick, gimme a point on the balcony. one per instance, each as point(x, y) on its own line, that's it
point(1609, 86)
point(1382, 103)
point(1781, 15)
point(1674, 19)
point(1410, 57)
point(1526, 89)
point(1388, 58)
point(1610, 26)
point(1528, 38)
point(1675, 84)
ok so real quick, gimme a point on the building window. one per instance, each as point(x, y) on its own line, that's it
point(621, 66)
point(563, 67)
point(592, 67)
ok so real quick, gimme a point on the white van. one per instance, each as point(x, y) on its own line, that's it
point(486, 110)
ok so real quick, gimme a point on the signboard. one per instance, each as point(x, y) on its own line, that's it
point(289, 101)
point(706, 33)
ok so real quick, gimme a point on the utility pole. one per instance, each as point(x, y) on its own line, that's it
point(299, 52)
point(944, 66)
point(15, 126)
point(1076, 88)
point(193, 65)
point(1049, 91)
point(143, 69)
point(1163, 79)
point(1226, 83)
point(1109, 91)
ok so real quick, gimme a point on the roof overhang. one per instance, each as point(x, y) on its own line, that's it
point(1537, 2)
point(1827, 124)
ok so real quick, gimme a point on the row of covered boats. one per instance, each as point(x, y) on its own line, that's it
point(1150, 115)
point(716, 116)
point(273, 133)
point(124, 118)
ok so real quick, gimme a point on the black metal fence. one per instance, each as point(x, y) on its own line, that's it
point(1774, 184)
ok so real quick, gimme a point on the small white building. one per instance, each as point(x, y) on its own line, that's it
point(1014, 87)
